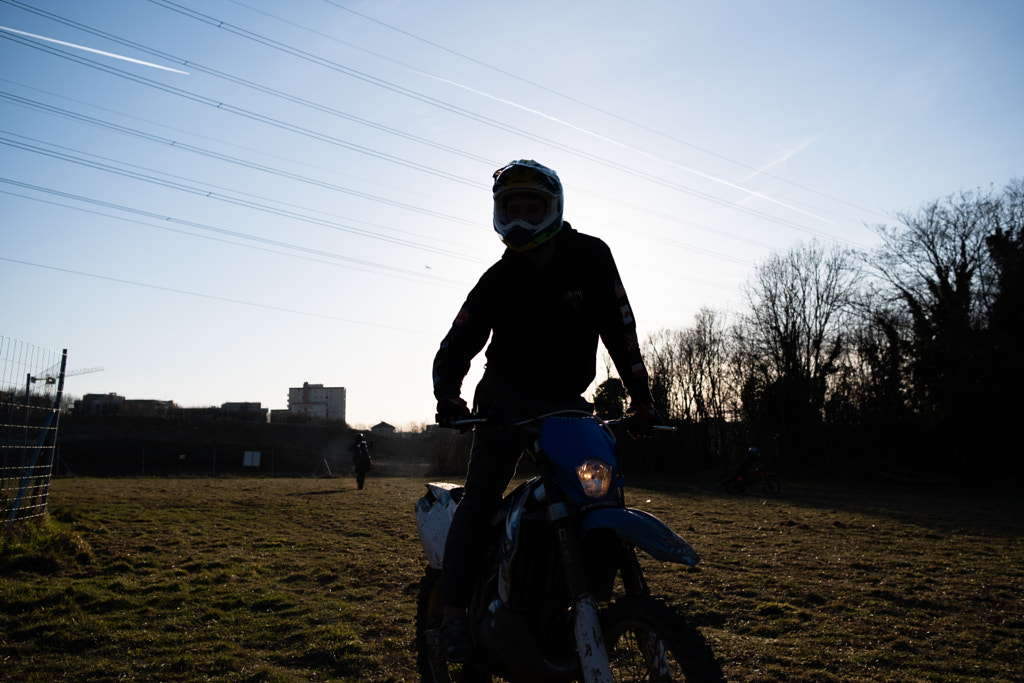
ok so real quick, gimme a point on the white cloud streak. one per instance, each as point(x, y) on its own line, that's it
point(650, 155)
point(93, 50)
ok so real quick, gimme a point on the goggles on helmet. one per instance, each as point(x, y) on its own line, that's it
point(535, 181)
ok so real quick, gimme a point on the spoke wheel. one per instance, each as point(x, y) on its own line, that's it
point(649, 641)
point(429, 612)
point(771, 487)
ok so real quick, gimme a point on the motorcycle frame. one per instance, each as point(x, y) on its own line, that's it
point(575, 527)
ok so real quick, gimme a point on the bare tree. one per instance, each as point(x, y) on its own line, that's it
point(661, 358)
point(1006, 249)
point(800, 303)
point(879, 361)
point(703, 350)
point(792, 339)
point(936, 263)
point(702, 353)
point(1006, 324)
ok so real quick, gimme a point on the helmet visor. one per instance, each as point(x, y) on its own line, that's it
point(528, 208)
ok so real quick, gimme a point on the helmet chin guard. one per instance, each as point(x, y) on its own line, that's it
point(527, 176)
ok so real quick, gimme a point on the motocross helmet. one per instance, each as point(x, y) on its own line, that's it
point(526, 176)
point(754, 452)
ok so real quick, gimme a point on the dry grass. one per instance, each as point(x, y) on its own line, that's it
point(309, 579)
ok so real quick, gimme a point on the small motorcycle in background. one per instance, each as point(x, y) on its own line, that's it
point(563, 596)
point(768, 482)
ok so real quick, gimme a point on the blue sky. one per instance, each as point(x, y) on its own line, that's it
point(216, 201)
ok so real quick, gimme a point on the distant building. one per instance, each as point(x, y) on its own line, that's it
point(249, 412)
point(112, 404)
point(99, 404)
point(317, 401)
point(146, 408)
point(200, 414)
point(382, 428)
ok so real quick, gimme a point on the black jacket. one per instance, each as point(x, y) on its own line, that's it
point(544, 324)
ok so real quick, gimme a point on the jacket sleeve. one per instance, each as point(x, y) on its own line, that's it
point(618, 333)
point(465, 339)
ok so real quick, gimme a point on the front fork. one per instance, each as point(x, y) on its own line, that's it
point(587, 624)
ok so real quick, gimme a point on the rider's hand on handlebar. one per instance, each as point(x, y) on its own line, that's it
point(452, 409)
point(645, 413)
point(642, 417)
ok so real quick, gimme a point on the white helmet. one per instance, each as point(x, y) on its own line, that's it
point(527, 176)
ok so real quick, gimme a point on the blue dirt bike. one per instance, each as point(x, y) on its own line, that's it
point(549, 606)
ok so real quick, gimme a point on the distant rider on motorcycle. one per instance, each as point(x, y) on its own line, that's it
point(544, 305)
point(752, 462)
point(361, 461)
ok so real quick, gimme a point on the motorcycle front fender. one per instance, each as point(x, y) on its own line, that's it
point(645, 531)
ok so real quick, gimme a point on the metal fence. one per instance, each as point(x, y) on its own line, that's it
point(31, 388)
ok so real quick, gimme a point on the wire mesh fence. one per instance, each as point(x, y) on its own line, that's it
point(31, 388)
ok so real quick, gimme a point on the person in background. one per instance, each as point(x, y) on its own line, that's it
point(752, 462)
point(361, 461)
point(544, 305)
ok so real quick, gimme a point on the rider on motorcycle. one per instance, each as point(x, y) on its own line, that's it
point(544, 305)
point(752, 462)
point(361, 461)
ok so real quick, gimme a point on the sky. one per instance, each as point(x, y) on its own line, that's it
point(216, 201)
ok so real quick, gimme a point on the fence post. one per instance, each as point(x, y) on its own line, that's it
point(33, 476)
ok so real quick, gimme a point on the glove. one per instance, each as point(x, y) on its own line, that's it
point(451, 409)
point(645, 414)
point(641, 418)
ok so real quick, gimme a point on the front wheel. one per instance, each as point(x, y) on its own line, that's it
point(429, 611)
point(772, 486)
point(647, 640)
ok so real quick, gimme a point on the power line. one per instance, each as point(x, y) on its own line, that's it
point(266, 169)
point(304, 252)
point(260, 152)
point(548, 117)
point(280, 309)
point(562, 95)
point(302, 54)
point(177, 144)
point(208, 193)
point(241, 111)
point(288, 127)
point(308, 56)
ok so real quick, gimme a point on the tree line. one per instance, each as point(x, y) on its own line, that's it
point(904, 357)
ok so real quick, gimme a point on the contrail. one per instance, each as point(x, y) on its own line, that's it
point(651, 155)
point(89, 49)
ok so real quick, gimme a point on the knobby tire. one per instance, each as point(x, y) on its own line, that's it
point(648, 640)
point(429, 612)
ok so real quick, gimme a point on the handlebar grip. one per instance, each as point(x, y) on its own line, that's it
point(468, 422)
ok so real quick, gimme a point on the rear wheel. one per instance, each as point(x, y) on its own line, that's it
point(429, 612)
point(734, 486)
point(647, 640)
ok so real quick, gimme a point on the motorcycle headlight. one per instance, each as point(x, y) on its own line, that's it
point(595, 477)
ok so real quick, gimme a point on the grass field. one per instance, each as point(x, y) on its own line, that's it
point(236, 579)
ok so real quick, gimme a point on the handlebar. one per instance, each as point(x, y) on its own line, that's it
point(627, 422)
point(473, 421)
